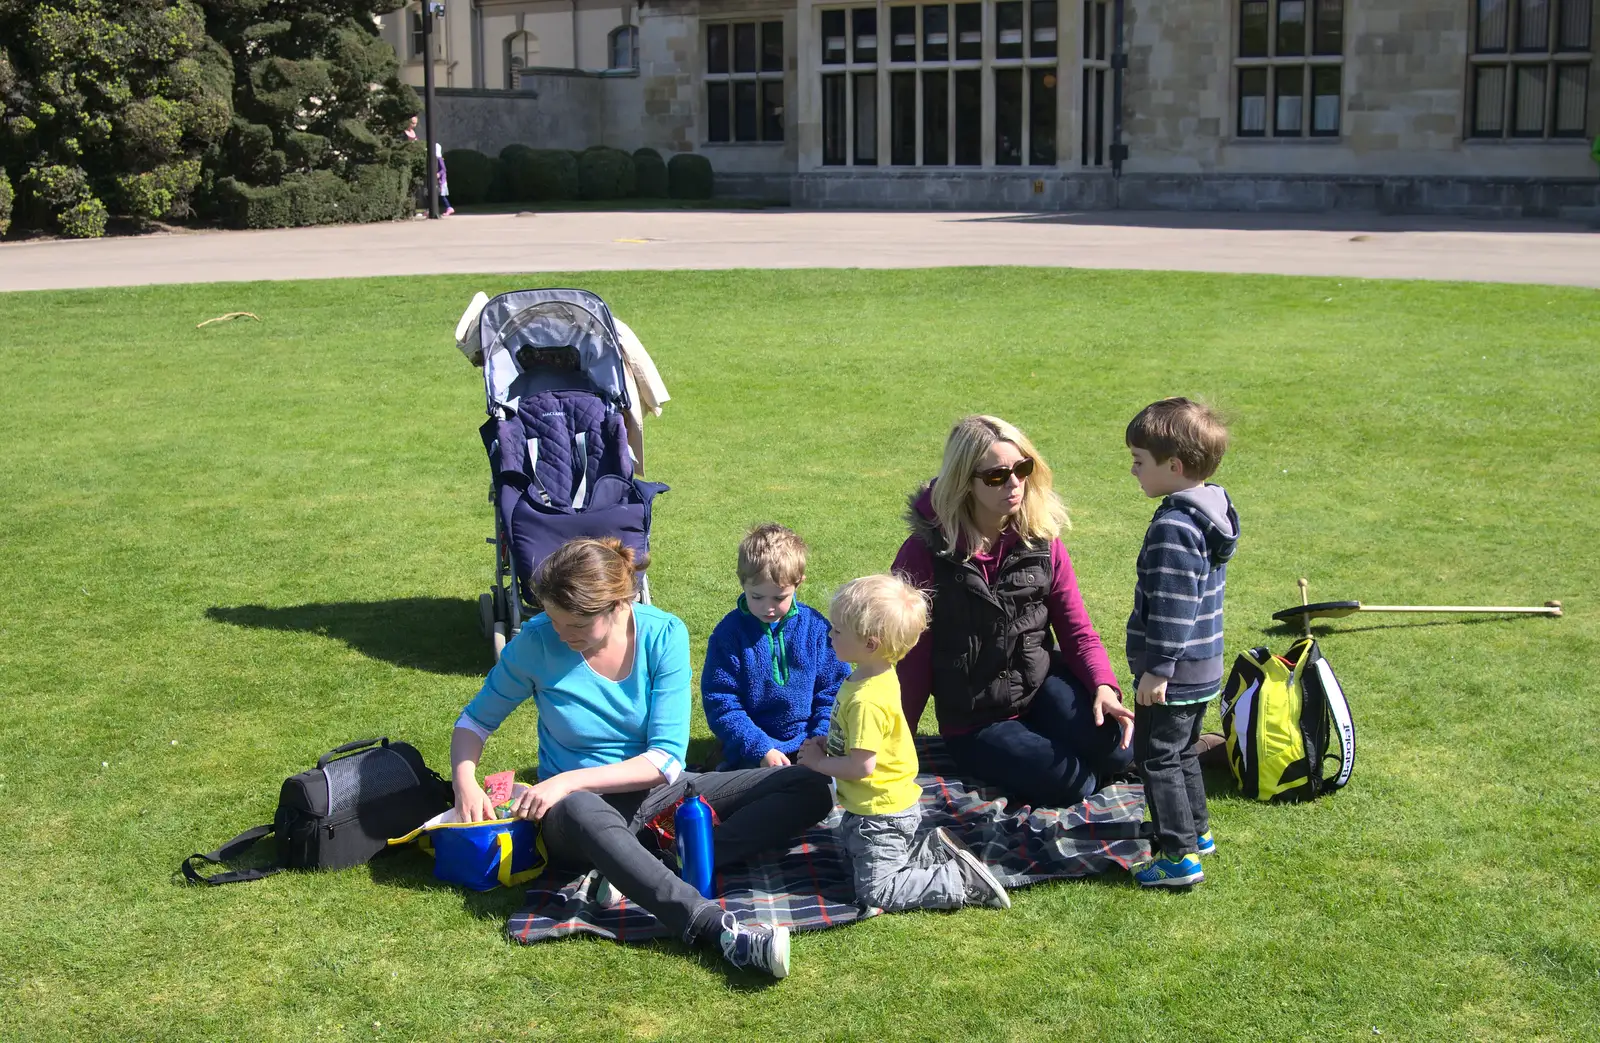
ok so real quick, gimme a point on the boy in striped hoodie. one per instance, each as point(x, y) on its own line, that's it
point(1175, 632)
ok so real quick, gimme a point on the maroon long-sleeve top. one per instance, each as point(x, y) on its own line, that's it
point(1079, 646)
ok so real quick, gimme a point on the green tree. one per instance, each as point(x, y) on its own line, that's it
point(318, 109)
point(106, 107)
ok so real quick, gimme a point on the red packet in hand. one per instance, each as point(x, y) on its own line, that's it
point(498, 786)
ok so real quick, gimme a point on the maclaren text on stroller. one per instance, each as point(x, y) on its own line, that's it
point(556, 386)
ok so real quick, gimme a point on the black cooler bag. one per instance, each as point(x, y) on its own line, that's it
point(342, 812)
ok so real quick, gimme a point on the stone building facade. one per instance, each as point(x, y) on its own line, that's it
point(1451, 106)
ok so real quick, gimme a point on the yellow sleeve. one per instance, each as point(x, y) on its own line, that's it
point(867, 727)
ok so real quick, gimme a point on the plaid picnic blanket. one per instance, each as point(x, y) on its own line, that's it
point(810, 887)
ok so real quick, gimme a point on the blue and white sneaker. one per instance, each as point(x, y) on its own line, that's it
point(1161, 872)
point(759, 946)
point(1206, 844)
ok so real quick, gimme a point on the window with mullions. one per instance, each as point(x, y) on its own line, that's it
point(1289, 68)
point(1095, 122)
point(1529, 71)
point(744, 81)
point(414, 24)
point(623, 47)
point(919, 70)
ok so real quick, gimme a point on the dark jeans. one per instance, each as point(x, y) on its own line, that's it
point(1051, 756)
point(757, 809)
point(1163, 745)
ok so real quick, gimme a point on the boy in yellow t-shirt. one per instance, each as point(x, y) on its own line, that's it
point(874, 621)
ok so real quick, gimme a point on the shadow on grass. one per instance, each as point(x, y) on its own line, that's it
point(410, 867)
point(439, 635)
point(1322, 630)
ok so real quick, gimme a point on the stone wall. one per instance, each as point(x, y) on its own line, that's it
point(557, 108)
point(949, 189)
point(1490, 198)
point(667, 112)
point(1404, 99)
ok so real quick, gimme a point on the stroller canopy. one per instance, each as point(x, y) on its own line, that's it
point(533, 340)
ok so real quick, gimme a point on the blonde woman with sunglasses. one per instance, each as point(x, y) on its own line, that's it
point(1021, 683)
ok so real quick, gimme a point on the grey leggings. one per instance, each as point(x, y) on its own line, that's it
point(757, 809)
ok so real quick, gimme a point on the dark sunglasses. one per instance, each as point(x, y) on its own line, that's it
point(995, 477)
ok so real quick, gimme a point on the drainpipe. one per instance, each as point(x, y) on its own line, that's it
point(477, 45)
point(575, 62)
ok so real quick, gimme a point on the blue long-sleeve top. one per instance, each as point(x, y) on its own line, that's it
point(756, 700)
point(586, 720)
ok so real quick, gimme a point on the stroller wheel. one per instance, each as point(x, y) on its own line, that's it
point(499, 640)
point(486, 614)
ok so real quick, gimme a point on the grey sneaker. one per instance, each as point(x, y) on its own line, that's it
point(758, 946)
point(983, 887)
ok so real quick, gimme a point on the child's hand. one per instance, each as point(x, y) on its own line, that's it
point(811, 752)
point(1152, 691)
point(775, 759)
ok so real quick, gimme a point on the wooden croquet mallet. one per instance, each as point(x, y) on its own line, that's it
point(1339, 609)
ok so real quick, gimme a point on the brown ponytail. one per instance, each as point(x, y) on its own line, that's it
point(589, 576)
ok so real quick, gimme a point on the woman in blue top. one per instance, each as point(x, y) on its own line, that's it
point(610, 679)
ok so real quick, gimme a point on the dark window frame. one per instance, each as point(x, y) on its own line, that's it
point(1263, 51)
point(760, 127)
point(414, 34)
point(1513, 56)
point(940, 60)
point(632, 32)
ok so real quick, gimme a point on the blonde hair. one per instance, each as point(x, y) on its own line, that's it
point(1177, 427)
point(1042, 516)
point(884, 607)
point(589, 576)
point(774, 554)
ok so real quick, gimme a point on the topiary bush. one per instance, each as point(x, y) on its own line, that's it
point(606, 173)
point(107, 107)
point(689, 176)
point(380, 192)
point(499, 187)
point(649, 174)
point(470, 173)
point(537, 175)
point(320, 197)
point(555, 175)
point(317, 111)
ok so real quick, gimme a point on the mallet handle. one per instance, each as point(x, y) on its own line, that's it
point(1551, 609)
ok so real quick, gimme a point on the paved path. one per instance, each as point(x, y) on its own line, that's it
point(1342, 246)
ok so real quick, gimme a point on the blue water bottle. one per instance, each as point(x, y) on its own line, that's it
point(692, 828)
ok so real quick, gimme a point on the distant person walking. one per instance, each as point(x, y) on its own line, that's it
point(444, 180)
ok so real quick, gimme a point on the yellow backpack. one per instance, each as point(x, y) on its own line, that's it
point(1280, 716)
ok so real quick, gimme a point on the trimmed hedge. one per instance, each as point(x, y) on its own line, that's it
point(689, 176)
point(470, 173)
point(606, 173)
point(379, 193)
point(539, 175)
point(7, 197)
point(649, 174)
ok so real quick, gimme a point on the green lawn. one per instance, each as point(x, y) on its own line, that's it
point(227, 550)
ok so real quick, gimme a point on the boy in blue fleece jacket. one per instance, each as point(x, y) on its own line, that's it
point(1175, 632)
point(770, 675)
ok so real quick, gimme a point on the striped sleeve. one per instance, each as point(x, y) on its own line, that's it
point(1172, 573)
